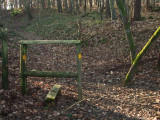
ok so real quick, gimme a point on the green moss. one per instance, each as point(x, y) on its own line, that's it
point(139, 56)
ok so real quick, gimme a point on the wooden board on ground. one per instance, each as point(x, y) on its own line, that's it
point(51, 97)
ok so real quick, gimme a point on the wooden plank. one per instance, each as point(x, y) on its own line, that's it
point(79, 74)
point(5, 82)
point(51, 74)
point(50, 42)
point(51, 97)
point(55, 90)
point(23, 58)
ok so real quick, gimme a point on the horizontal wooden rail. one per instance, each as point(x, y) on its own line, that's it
point(50, 74)
point(50, 42)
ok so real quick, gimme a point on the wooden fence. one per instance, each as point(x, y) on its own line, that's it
point(25, 73)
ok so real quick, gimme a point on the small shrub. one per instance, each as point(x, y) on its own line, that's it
point(15, 12)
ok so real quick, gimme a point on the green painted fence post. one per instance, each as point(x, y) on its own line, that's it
point(23, 59)
point(79, 74)
point(5, 83)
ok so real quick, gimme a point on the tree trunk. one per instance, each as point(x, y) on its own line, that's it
point(59, 5)
point(0, 9)
point(15, 4)
point(100, 9)
point(113, 12)
point(124, 2)
point(70, 7)
point(154, 4)
point(137, 10)
point(102, 5)
point(80, 3)
point(90, 3)
point(85, 5)
point(97, 5)
point(53, 3)
point(49, 4)
point(96, 2)
point(30, 17)
point(132, 70)
point(108, 11)
point(128, 7)
point(143, 2)
point(42, 4)
point(125, 5)
point(27, 8)
point(126, 24)
point(77, 7)
point(20, 4)
point(5, 4)
point(147, 4)
point(73, 5)
point(1, 2)
point(66, 6)
point(31, 4)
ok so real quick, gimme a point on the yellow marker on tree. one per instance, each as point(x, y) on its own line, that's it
point(24, 57)
point(79, 55)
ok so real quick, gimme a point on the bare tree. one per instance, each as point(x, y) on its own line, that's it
point(27, 8)
point(147, 4)
point(85, 5)
point(108, 11)
point(49, 4)
point(90, 3)
point(137, 10)
point(70, 6)
point(66, 5)
point(59, 5)
point(113, 12)
point(77, 7)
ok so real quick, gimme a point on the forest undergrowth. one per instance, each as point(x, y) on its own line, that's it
point(105, 62)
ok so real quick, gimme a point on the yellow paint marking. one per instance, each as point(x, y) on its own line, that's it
point(24, 57)
point(79, 56)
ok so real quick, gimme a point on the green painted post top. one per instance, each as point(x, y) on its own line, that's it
point(50, 42)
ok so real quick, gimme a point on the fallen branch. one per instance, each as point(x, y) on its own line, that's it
point(64, 111)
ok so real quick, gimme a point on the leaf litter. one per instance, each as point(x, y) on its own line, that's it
point(104, 65)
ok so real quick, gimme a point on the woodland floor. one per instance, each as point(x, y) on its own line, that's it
point(105, 62)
